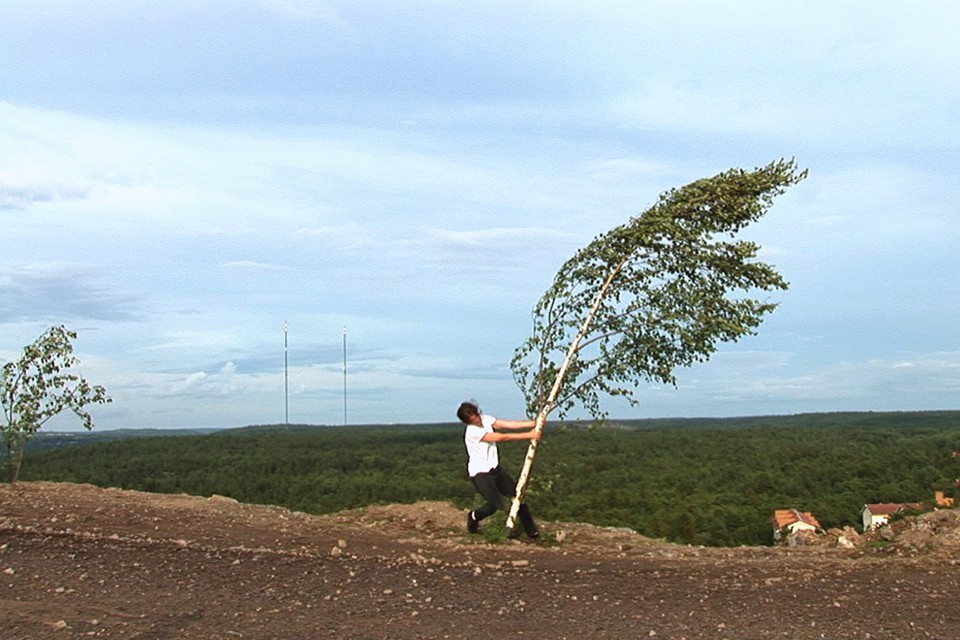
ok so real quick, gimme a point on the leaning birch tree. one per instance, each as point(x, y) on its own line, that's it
point(39, 386)
point(657, 293)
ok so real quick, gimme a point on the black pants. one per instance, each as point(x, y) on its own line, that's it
point(492, 486)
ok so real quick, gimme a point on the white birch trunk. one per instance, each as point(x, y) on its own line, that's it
point(552, 397)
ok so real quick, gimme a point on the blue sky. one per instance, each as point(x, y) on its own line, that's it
point(179, 180)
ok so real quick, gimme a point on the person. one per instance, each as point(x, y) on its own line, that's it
point(491, 480)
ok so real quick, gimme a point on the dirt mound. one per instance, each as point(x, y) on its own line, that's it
point(78, 561)
point(933, 533)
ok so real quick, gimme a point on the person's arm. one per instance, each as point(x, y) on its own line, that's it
point(496, 436)
point(513, 424)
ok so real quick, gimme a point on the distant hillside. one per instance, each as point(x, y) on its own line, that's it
point(46, 441)
point(711, 482)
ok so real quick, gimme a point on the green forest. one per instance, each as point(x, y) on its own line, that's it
point(697, 481)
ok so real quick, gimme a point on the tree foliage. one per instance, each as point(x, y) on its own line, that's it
point(39, 386)
point(657, 293)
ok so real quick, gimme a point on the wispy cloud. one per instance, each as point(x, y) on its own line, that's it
point(56, 293)
point(254, 266)
point(19, 190)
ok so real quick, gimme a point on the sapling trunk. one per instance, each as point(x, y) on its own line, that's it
point(552, 396)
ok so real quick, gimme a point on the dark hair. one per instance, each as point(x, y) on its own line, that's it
point(466, 411)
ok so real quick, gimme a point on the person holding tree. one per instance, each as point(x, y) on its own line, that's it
point(481, 436)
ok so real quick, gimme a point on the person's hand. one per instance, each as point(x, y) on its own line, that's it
point(536, 434)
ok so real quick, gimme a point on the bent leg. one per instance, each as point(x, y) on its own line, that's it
point(526, 519)
point(486, 485)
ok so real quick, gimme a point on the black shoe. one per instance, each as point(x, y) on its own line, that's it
point(473, 525)
point(514, 534)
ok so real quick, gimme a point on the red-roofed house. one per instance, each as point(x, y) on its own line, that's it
point(788, 521)
point(879, 514)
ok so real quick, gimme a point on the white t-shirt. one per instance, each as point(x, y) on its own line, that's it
point(481, 456)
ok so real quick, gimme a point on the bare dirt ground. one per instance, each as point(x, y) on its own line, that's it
point(78, 561)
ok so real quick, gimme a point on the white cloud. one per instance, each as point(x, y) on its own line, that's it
point(498, 238)
point(733, 381)
point(254, 266)
point(21, 188)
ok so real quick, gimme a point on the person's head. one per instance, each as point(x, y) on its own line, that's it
point(468, 413)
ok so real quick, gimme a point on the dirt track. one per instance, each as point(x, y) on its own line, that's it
point(81, 562)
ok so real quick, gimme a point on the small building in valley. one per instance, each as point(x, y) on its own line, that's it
point(943, 501)
point(791, 521)
point(878, 514)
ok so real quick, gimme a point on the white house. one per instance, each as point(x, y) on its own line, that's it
point(878, 514)
point(791, 521)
